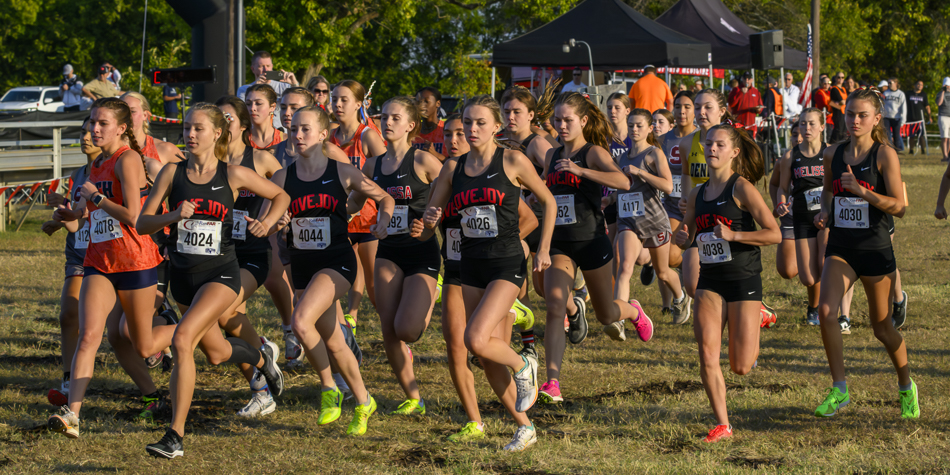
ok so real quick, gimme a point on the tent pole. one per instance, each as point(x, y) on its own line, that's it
point(493, 81)
point(711, 81)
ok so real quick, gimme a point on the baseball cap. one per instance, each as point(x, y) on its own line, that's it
point(67, 69)
point(103, 70)
point(882, 84)
point(946, 81)
point(747, 74)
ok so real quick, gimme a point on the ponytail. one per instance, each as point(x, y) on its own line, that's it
point(598, 128)
point(749, 163)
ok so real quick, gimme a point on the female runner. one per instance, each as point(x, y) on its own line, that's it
point(293, 99)
point(253, 253)
point(261, 103)
point(576, 174)
point(77, 240)
point(406, 269)
point(640, 212)
point(358, 141)
point(483, 189)
point(862, 189)
point(119, 269)
point(721, 217)
point(206, 280)
point(323, 264)
point(799, 192)
point(618, 109)
point(662, 122)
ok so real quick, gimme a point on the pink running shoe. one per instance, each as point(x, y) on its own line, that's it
point(643, 323)
point(567, 324)
point(550, 392)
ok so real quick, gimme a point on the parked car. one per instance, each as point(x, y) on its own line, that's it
point(44, 98)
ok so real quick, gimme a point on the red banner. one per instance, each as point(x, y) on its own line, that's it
point(703, 72)
point(15, 191)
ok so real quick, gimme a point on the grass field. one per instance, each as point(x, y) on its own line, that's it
point(630, 407)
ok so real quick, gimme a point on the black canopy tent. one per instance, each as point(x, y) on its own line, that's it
point(711, 21)
point(619, 38)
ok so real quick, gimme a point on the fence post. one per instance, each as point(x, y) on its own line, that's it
point(57, 152)
point(3, 214)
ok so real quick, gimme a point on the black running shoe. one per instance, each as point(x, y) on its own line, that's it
point(168, 313)
point(647, 275)
point(167, 362)
point(275, 379)
point(577, 331)
point(900, 312)
point(350, 339)
point(169, 447)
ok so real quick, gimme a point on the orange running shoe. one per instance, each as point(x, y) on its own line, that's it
point(718, 433)
point(769, 317)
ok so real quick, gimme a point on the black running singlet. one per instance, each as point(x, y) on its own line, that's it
point(807, 182)
point(203, 241)
point(579, 217)
point(855, 223)
point(247, 204)
point(487, 205)
point(720, 259)
point(318, 212)
point(411, 195)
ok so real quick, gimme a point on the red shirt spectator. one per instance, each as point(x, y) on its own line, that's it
point(821, 98)
point(745, 102)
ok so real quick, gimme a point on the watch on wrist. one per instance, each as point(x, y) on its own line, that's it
point(98, 198)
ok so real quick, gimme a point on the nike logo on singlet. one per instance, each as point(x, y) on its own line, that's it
point(328, 181)
point(517, 276)
point(433, 270)
point(865, 168)
point(491, 176)
point(344, 268)
point(720, 203)
point(225, 277)
point(400, 177)
point(253, 265)
point(215, 189)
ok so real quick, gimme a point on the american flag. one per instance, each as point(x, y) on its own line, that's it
point(805, 97)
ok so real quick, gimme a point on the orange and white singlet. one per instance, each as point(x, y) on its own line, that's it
point(354, 150)
point(436, 137)
point(115, 246)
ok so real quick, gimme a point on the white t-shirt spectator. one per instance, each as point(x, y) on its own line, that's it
point(571, 87)
point(790, 97)
point(279, 88)
point(895, 105)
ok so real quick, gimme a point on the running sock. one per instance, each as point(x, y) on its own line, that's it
point(334, 388)
point(905, 387)
point(901, 300)
point(369, 399)
point(841, 385)
point(286, 328)
point(525, 359)
point(527, 337)
point(155, 395)
point(241, 352)
point(812, 309)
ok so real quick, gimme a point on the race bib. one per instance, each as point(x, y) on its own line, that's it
point(311, 233)
point(399, 222)
point(565, 210)
point(677, 187)
point(453, 244)
point(81, 238)
point(239, 231)
point(480, 222)
point(199, 237)
point(103, 227)
point(713, 250)
point(813, 198)
point(630, 205)
point(852, 213)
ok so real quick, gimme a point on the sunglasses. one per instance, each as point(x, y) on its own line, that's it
point(577, 74)
point(321, 91)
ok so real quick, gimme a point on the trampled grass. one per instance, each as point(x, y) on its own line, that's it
point(630, 407)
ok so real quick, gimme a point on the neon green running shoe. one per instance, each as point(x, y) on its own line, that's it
point(330, 404)
point(350, 322)
point(438, 290)
point(834, 402)
point(410, 407)
point(909, 407)
point(470, 433)
point(524, 317)
point(361, 417)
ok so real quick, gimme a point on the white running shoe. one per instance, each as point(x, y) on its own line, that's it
point(526, 383)
point(260, 405)
point(525, 437)
point(292, 347)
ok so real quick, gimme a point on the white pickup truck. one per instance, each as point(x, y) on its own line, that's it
point(44, 98)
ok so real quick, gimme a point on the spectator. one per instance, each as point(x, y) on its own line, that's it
point(100, 86)
point(791, 94)
point(917, 107)
point(71, 89)
point(171, 97)
point(836, 101)
point(575, 84)
point(772, 99)
point(261, 63)
point(895, 110)
point(680, 87)
point(745, 101)
point(850, 85)
point(650, 92)
point(320, 88)
point(697, 86)
point(821, 99)
point(943, 118)
point(733, 85)
point(114, 76)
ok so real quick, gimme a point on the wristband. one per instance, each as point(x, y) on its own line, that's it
point(97, 199)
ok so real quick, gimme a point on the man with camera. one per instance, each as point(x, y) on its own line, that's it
point(71, 89)
point(262, 66)
point(101, 86)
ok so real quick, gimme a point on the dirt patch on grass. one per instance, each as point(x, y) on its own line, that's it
point(756, 462)
point(418, 457)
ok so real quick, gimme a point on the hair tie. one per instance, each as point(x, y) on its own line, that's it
point(228, 117)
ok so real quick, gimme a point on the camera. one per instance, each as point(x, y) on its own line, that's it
point(70, 81)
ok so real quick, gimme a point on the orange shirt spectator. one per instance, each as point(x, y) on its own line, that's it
point(650, 92)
